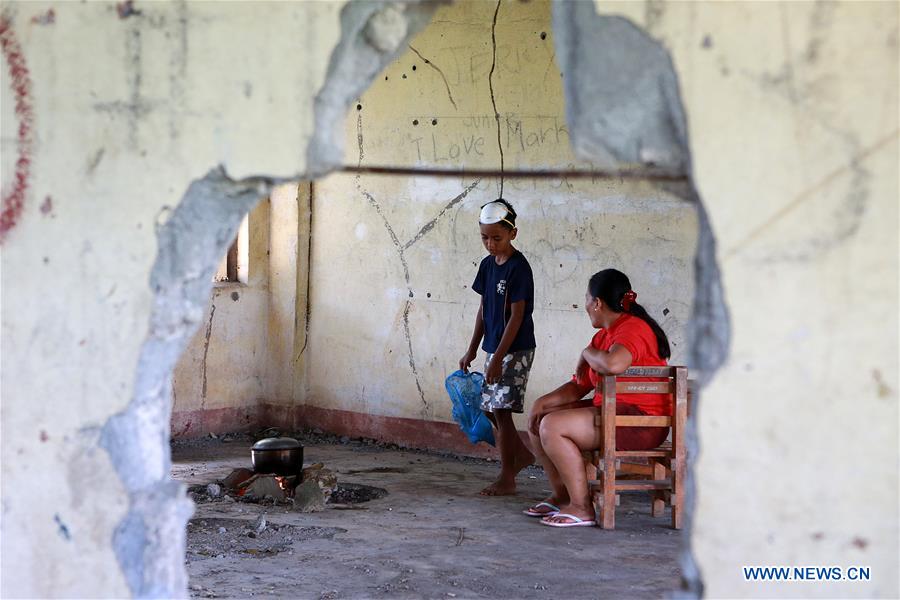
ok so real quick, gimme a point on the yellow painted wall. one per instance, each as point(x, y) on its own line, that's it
point(244, 354)
point(220, 377)
point(393, 257)
point(126, 113)
point(792, 109)
point(793, 115)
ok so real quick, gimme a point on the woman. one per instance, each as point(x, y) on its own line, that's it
point(561, 424)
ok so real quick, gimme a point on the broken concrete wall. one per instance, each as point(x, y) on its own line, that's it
point(240, 362)
point(793, 122)
point(221, 375)
point(113, 116)
point(392, 260)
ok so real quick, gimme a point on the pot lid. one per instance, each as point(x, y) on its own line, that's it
point(283, 443)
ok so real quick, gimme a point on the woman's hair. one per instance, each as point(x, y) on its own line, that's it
point(612, 286)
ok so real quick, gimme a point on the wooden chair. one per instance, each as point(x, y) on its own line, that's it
point(666, 465)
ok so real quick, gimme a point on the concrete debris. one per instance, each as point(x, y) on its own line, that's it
point(236, 478)
point(261, 487)
point(324, 478)
point(214, 490)
point(260, 525)
point(386, 29)
point(308, 497)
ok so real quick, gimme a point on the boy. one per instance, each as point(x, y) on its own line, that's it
point(506, 286)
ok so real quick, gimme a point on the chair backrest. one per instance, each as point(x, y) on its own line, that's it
point(672, 382)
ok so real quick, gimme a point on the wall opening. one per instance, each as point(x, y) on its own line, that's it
point(389, 226)
point(235, 265)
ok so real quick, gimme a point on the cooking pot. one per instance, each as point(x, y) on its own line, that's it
point(281, 456)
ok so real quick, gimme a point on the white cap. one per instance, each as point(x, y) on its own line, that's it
point(494, 212)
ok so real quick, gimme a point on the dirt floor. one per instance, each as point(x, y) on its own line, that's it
point(431, 536)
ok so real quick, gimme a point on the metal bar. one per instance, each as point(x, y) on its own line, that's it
point(635, 174)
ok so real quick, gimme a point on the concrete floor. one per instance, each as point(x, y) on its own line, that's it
point(433, 536)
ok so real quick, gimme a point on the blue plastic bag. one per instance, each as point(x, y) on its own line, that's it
point(465, 393)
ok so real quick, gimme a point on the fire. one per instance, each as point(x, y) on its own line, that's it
point(285, 484)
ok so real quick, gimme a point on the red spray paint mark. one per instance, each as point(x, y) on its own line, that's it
point(126, 9)
point(14, 199)
point(47, 18)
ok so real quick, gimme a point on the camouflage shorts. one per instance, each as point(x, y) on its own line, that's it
point(509, 392)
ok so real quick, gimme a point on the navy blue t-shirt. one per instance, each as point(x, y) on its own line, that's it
point(500, 286)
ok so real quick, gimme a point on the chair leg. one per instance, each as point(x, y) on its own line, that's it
point(658, 505)
point(607, 514)
point(597, 501)
point(678, 472)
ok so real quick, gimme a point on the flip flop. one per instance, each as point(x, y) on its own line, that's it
point(576, 521)
point(531, 512)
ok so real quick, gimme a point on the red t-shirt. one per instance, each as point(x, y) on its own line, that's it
point(636, 336)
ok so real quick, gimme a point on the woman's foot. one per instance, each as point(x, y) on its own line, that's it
point(544, 508)
point(566, 514)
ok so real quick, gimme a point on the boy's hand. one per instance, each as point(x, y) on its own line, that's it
point(466, 361)
point(494, 370)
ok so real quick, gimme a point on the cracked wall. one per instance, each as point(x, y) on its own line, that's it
point(793, 122)
point(792, 115)
point(385, 333)
point(254, 331)
point(117, 162)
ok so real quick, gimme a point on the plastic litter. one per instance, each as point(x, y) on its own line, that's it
point(465, 393)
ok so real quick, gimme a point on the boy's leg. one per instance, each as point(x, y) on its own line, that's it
point(514, 455)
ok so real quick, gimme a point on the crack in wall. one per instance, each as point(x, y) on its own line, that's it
point(387, 225)
point(369, 41)
point(412, 360)
point(441, 73)
point(401, 252)
point(209, 325)
point(491, 87)
point(309, 250)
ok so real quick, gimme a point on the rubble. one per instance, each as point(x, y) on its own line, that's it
point(262, 487)
point(324, 478)
point(308, 497)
